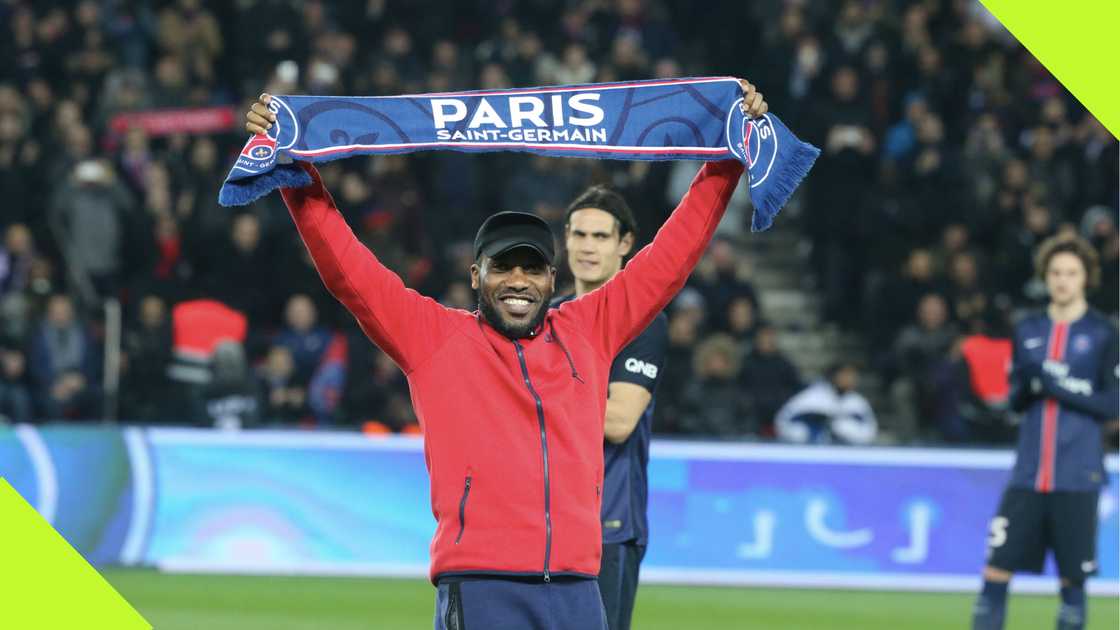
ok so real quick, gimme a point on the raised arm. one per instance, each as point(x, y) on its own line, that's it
point(403, 323)
point(620, 309)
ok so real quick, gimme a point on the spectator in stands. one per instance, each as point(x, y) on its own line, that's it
point(16, 253)
point(955, 238)
point(741, 320)
point(895, 304)
point(574, 67)
point(285, 399)
point(1017, 244)
point(303, 336)
point(969, 299)
point(203, 217)
point(238, 274)
point(63, 364)
point(146, 394)
point(768, 379)
point(841, 179)
point(229, 400)
point(712, 403)
point(324, 392)
point(377, 390)
point(970, 391)
point(21, 313)
point(447, 61)
point(919, 348)
point(90, 212)
point(722, 279)
point(686, 319)
point(902, 138)
point(15, 393)
point(1099, 163)
point(525, 193)
point(829, 411)
point(134, 158)
point(1098, 226)
point(20, 158)
point(189, 29)
point(932, 178)
point(1052, 165)
point(985, 152)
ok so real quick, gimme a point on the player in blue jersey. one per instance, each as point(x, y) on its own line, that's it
point(599, 233)
point(1064, 381)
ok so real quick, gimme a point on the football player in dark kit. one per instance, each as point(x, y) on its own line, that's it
point(598, 234)
point(1064, 381)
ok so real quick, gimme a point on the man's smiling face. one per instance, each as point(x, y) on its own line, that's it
point(514, 289)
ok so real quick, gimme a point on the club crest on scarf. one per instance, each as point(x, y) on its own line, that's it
point(761, 148)
point(259, 148)
point(257, 156)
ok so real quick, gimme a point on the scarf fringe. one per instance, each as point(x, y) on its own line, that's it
point(795, 165)
point(241, 192)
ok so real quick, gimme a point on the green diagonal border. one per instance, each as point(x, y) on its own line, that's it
point(1078, 42)
point(45, 583)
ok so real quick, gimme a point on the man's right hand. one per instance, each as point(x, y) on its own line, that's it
point(259, 119)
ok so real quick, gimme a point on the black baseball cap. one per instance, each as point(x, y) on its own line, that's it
point(508, 230)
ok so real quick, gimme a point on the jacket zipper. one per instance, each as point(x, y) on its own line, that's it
point(544, 455)
point(463, 508)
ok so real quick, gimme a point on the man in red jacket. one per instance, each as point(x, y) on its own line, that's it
point(512, 397)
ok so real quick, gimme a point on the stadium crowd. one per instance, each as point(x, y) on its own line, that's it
point(948, 154)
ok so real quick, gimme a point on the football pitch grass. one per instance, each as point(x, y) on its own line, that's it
point(195, 602)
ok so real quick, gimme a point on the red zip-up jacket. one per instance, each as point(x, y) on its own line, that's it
point(513, 429)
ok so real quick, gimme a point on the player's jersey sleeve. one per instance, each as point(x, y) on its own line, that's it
point(1101, 399)
point(403, 323)
point(1020, 396)
point(642, 361)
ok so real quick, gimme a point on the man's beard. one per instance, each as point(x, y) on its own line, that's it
point(513, 331)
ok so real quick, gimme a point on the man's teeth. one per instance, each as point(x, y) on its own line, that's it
point(516, 301)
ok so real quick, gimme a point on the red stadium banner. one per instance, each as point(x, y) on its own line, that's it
point(162, 122)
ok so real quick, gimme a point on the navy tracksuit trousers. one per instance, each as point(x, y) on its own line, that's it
point(488, 603)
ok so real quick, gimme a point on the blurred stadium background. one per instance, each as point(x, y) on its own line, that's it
point(130, 420)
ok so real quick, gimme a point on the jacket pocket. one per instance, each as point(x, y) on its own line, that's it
point(463, 506)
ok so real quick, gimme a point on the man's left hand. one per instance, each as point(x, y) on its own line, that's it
point(753, 104)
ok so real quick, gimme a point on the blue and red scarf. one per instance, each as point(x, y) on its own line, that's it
point(670, 119)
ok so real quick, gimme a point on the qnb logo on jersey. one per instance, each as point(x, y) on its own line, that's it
point(638, 366)
point(556, 118)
